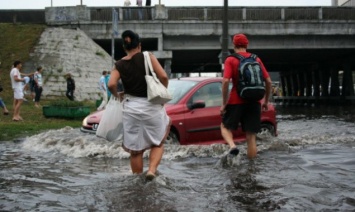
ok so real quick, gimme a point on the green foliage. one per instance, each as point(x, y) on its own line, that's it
point(101, 54)
point(34, 121)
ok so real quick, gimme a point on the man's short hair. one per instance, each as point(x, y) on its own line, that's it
point(16, 63)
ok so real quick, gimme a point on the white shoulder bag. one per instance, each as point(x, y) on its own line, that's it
point(157, 93)
point(111, 125)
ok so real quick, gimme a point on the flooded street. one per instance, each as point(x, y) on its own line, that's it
point(310, 166)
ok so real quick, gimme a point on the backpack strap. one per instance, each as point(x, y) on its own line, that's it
point(240, 57)
point(254, 56)
point(236, 55)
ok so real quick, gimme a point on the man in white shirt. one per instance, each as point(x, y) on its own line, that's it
point(16, 83)
point(103, 89)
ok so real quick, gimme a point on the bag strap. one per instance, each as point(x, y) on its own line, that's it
point(148, 65)
point(240, 57)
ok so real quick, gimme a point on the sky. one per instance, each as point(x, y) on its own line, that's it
point(41, 4)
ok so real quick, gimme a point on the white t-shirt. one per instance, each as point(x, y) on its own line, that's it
point(127, 3)
point(38, 76)
point(15, 72)
point(102, 83)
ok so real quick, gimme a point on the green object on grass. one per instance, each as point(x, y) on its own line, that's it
point(66, 112)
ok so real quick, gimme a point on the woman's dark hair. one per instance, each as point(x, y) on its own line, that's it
point(39, 68)
point(130, 40)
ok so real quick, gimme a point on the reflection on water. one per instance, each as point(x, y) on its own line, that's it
point(310, 166)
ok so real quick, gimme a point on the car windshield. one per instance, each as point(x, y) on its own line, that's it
point(178, 88)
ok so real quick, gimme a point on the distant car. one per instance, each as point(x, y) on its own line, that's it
point(195, 113)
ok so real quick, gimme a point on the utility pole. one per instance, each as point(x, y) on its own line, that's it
point(225, 36)
point(114, 33)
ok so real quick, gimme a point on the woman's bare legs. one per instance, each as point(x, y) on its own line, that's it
point(156, 153)
point(137, 163)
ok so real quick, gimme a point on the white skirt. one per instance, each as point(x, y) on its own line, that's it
point(144, 124)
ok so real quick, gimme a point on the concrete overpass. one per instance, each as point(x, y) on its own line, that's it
point(311, 47)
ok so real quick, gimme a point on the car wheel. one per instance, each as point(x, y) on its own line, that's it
point(266, 129)
point(172, 138)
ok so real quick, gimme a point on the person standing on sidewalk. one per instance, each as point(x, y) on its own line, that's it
point(140, 12)
point(127, 14)
point(149, 12)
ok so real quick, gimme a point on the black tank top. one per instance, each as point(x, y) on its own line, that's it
point(132, 73)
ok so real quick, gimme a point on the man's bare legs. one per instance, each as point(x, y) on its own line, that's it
point(251, 141)
point(250, 137)
point(17, 105)
point(227, 136)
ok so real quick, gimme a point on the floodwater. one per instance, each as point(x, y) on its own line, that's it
point(310, 166)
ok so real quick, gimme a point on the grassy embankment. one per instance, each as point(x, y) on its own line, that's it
point(16, 43)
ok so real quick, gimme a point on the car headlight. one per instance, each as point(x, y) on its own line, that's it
point(85, 121)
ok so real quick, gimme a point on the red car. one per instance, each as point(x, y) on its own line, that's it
point(195, 113)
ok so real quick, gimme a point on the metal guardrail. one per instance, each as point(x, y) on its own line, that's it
point(234, 13)
point(104, 14)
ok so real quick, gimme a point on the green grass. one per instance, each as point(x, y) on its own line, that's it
point(34, 121)
point(17, 41)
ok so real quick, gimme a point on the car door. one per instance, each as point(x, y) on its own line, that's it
point(203, 124)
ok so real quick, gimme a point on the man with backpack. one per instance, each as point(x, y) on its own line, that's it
point(249, 95)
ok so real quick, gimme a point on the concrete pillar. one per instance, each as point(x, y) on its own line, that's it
point(244, 14)
point(288, 85)
point(348, 84)
point(283, 85)
point(161, 12)
point(294, 78)
point(334, 86)
point(324, 77)
point(301, 78)
point(282, 13)
point(316, 81)
point(308, 79)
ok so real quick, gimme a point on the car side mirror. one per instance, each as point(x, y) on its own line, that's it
point(198, 104)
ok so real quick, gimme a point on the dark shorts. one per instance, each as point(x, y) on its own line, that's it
point(248, 115)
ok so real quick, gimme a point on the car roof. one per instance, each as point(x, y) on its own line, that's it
point(198, 79)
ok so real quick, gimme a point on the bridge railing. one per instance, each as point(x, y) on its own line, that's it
point(57, 15)
point(234, 13)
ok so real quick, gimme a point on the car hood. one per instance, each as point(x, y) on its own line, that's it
point(95, 116)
